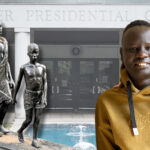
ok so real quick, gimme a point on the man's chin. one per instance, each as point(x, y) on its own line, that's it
point(141, 75)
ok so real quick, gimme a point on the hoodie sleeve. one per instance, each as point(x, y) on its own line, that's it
point(104, 135)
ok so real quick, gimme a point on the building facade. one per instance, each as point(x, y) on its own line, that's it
point(79, 44)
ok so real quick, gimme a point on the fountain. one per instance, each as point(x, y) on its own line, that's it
point(82, 145)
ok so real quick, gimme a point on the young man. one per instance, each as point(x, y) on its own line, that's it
point(35, 93)
point(6, 83)
point(123, 113)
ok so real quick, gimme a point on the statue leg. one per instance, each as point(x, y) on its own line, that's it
point(25, 124)
point(37, 117)
point(3, 110)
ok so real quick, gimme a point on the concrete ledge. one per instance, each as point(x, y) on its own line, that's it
point(10, 142)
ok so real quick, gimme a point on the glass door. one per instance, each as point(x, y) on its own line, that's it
point(107, 74)
point(64, 84)
point(96, 76)
point(59, 83)
point(87, 87)
point(77, 83)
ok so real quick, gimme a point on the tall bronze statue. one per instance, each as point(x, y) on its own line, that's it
point(6, 83)
point(35, 94)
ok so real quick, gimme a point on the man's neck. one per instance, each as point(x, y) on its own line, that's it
point(142, 84)
point(33, 62)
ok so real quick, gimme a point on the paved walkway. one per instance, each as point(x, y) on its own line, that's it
point(47, 118)
point(10, 142)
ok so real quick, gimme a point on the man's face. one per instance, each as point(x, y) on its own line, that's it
point(33, 53)
point(135, 53)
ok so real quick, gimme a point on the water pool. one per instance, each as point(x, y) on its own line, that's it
point(70, 135)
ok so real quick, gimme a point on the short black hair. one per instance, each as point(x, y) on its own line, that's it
point(32, 46)
point(136, 23)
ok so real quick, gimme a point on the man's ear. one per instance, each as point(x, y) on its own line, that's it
point(121, 54)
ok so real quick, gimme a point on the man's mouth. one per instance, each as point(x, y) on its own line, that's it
point(143, 65)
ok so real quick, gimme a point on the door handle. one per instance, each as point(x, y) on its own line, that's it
point(52, 89)
point(93, 89)
point(98, 89)
point(57, 89)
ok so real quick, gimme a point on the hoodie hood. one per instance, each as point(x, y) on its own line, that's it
point(131, 89)
point(123, 83)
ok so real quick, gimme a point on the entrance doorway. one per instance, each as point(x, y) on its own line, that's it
point(76, 83)
point(81, 64)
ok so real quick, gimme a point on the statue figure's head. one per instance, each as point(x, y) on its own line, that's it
point(33, 51)
point(3, 47)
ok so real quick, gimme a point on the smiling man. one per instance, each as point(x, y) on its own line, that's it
point(123, 113)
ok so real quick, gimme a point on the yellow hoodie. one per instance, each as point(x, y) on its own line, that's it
point(113, 121)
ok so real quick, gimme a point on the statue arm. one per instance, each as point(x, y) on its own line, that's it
point(18, 84)
point(11, 81)
point(45, 87)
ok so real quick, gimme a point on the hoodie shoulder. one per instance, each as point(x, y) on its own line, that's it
point(110, 94)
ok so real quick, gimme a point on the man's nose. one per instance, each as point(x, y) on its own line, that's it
point(143, 52)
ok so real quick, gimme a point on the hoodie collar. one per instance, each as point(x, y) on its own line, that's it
point(125, 77)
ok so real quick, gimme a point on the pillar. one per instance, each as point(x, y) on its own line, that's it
point(22, 40)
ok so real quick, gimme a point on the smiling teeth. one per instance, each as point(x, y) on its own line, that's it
point(142, 64)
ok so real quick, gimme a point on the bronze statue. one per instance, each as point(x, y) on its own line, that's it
point(6, 83)
point(35, 94)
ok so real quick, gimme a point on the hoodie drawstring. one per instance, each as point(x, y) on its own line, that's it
point(131, 108)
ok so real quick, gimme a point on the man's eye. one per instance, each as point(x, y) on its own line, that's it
point(133, 49)
point(147, 48)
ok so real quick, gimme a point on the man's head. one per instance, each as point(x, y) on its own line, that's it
point(135, 52)
point(33, 51)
